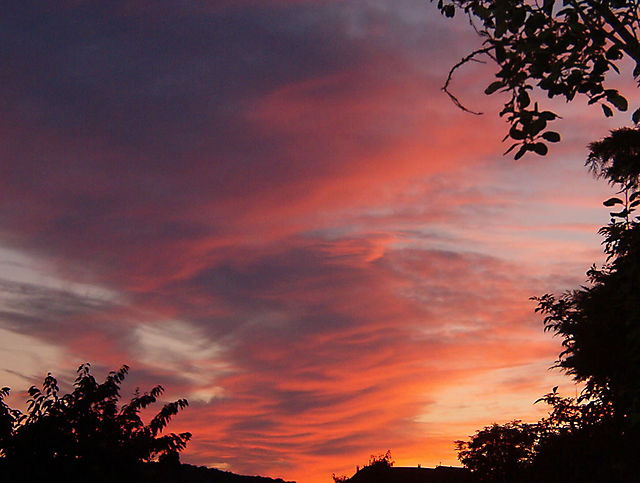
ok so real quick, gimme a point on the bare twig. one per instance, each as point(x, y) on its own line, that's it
point(469, 58)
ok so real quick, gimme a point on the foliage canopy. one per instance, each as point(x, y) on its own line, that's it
point(565, 446)
point(498, 452)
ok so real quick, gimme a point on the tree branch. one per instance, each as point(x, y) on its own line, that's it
point(469, 58)
point(630, 43)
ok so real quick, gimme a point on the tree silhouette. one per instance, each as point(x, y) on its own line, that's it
point(578, 441)
point(600, 328)
point(499, 452)
point(600, 323)
point(9, 418)
point(85, 432)
point(561, 49)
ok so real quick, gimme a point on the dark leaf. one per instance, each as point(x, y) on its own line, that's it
point(551, 136)
point(619, 214)
point(613, 53)
point(536, 126)
point(540, 148)
point(493, 87)
point(449, 10)
point(523, 99)
point(613, 201)
point(618, 101)
point(523, 149)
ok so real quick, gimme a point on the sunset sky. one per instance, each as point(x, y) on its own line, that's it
point(270, 208)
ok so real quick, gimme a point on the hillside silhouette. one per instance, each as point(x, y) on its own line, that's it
point(185, 473)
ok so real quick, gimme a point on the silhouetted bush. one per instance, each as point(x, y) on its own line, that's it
point(85, 435)
point(499, 452)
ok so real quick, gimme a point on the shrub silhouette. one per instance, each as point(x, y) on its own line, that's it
point(85, 433)
point(498, 452)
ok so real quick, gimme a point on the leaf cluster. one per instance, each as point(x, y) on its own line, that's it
point(562, 49)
